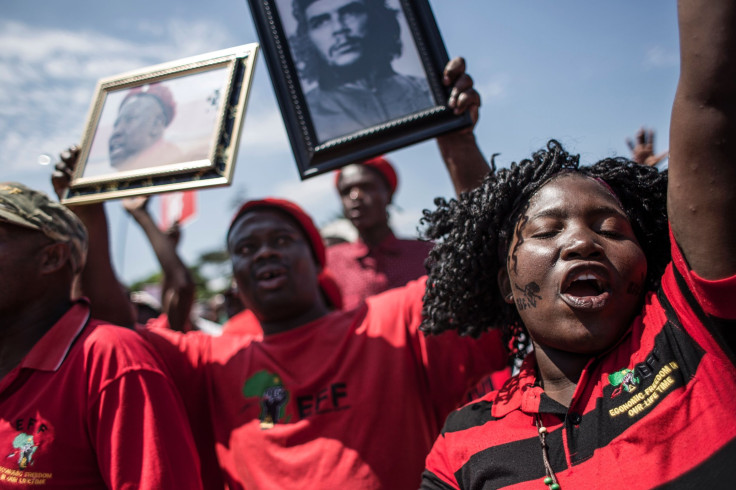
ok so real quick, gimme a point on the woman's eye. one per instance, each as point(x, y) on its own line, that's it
point(544, 234)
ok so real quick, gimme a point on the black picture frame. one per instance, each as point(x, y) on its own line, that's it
point(315, 157)
point(213, 87)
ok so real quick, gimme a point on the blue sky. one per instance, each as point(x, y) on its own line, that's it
point(586, 73)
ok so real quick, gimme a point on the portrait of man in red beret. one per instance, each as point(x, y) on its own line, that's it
point(137, 138)
point(150, 128)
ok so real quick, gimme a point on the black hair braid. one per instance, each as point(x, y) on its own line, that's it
point(473, 233)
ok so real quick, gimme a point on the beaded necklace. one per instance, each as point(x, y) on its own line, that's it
point(550, 480)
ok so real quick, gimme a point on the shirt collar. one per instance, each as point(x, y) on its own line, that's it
point(388, 246)
point(520, 392)
point(49, 353)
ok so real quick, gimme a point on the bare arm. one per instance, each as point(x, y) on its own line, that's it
point(702, 167)
point(459, 150)
point(109, 299)
point(178, 289)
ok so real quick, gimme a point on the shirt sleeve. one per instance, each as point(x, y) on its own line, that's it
point(452, 364)
point(437, 474)
point(135, 417)
point(142, 436)
point(183, 356)
point(715, 297)
point(704, 308)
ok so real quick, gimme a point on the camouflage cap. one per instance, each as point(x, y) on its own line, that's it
point(23, 206)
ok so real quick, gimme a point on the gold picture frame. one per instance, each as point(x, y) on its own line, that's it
point(164, 128)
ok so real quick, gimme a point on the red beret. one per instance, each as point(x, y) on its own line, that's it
point(161, 93)
point(293, 210)
point(383, 167)
point(326, 281)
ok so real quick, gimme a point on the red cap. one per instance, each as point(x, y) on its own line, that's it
point(326, 280)
point(293, 210)
point(162, 94)
point(383, 166)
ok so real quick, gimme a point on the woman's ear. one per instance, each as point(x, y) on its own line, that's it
point(504, 285)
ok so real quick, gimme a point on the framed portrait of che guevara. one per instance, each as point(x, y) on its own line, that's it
point(163, 128)
point(354, 78)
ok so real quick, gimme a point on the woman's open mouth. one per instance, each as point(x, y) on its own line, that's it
point(585, 290)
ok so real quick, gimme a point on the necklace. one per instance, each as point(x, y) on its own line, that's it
point(550, 480)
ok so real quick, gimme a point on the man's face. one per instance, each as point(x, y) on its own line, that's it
point(337, 29)
point(21, 251)
point(575, 267)
point(364, 195)
point(273, 265)
point(140, 123)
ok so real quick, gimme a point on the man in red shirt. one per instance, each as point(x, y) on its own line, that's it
point(342, 399)
point(83, 404)
point(378, 260)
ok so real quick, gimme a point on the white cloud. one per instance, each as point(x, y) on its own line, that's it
point(658, 57)
point(49, 77)
point(264, 130)
point(405, 222)
point(316, 194)
point(493, 89)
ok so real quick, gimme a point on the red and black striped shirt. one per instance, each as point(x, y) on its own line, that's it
point(657, 408)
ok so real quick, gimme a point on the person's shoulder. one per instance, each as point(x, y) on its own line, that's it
point(343, 249)
point(398, 307)
point(122, 346)
point(339, 247)
point(473, 414)
point(107, 333)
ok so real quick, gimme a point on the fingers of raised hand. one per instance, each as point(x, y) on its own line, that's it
point(453, 69)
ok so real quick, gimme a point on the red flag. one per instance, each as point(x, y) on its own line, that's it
point(177, 206)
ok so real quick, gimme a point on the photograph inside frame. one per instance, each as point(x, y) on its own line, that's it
point(161, 123)
point(354, 78)
point(166, 127)
point(357, 63)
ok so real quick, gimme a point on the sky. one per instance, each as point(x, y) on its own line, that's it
point(588, 74)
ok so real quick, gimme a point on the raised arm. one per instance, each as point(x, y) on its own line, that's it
point(109, 299)
point(177, 294)
point(459, 150)
point(702, 166)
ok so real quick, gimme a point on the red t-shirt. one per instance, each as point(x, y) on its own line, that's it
point(243, 323)
point(361, 271)
point(351, 400)
point(89, 407)
point(657, 408)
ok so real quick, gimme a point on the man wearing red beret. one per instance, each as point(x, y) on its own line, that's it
point(378, 260)
point(323, 399)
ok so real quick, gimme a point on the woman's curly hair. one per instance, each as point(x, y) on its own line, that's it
point(473, 234)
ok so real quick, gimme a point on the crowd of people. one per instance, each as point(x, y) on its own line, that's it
point(387, 363)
